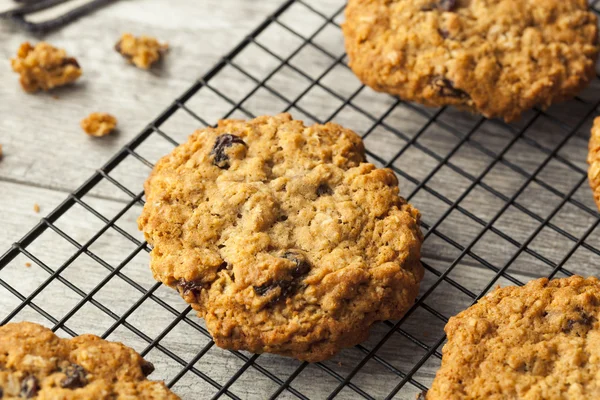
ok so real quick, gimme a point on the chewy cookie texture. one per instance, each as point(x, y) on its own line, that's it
point(594, 161)
point(536, 342)
point(44, 67)
point(495, 57)
point(36, 364)
point(281, 236)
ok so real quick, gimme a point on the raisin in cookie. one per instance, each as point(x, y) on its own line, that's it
point(496, 57)
point(536, 342)
point(281, 236)
point(37, 364)
point(44, 67)
point(594, 161)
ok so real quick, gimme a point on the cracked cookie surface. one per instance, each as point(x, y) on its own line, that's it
point(495, 57)
point(37, 364)
point(593, 160)
point(536, 342)
point(44, 67)
point(281, 236)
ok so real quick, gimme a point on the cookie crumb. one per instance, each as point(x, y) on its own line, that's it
point(36, 208)
point(0, 152)
point(28, 264)
point(142, 51)
point(44, 67)
point(339, 363)
point(99, 124)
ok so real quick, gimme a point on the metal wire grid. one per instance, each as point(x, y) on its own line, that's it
point(404, 353)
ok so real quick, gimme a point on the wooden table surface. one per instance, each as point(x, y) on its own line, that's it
point(46, 154)
point(529, 209)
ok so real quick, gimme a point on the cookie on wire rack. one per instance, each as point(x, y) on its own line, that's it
point(593, 160)
point(281, 236)
point(540, 341)
point(494, 57)
point(37, 364)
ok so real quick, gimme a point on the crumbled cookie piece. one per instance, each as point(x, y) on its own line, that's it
point(593, 160)
point(282, 236)
point(539, 341)
point(141, 51)
point(99, 124)
point(43, 67)
point(495, 57)
point(36, 208)
point(37, 364)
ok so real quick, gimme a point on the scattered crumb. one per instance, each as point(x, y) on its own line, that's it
point(141, 51)
point(55, 97)
point(36, 208)
point(0, 151)
point(99, 124)
point(339, 364)
point(28, 264)
point(44, 67)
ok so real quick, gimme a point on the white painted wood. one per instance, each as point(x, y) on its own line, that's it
point(47, 156)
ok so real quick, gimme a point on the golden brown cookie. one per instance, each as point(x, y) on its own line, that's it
point(495, 57)
point(44, 67)
point(37, 364)
point(536, 342)
point(593, 160)
point(99, 124)
point(143, 51)
point(281, 236)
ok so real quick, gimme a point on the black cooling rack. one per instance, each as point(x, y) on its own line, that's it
point(501, 204)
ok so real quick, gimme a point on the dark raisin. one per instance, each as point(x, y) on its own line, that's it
point(263, 289)
point(446, 88)
point(29, 387)
point(70, 61)
point(75, 377)
point(447, 5)
point(324, 190)
point(444, 5)
point(584, 320)
point(302, 266)
point(287, 286)
point(221, 159)
point(147, 367)
point(444, 33)
point(222, 266)
point(282, 218)
point(189, 286)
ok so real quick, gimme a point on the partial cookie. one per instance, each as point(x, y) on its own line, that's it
point(44, 67)
point(36, 364)
point(536, 342)
point(141, 51)
point(594, 160)
point(281, 236)
point(495, 57)
point(99, 124)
